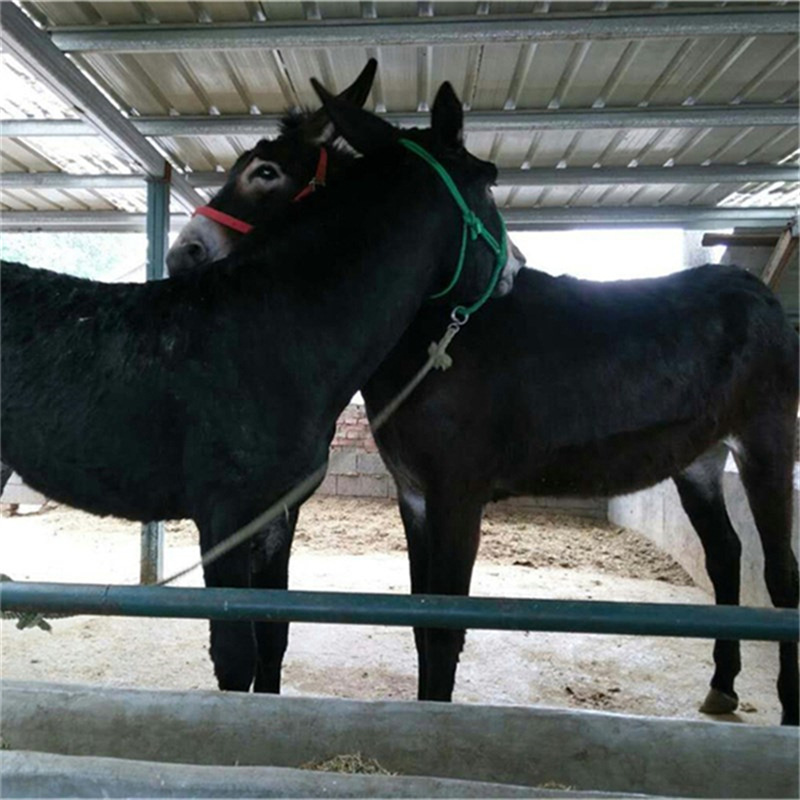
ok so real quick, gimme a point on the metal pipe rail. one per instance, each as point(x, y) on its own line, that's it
point(271, 605)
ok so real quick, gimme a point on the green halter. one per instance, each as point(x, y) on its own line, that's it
point(472, 227)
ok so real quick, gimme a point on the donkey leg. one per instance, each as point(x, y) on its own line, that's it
point(270, 570)
point(765, 464)
point(412, 512)
point(453, 529)
point(700, 490)
point(233, 648)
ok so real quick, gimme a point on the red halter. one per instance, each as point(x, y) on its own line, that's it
point(319, 176)
point(245, 227)
point(223, 219)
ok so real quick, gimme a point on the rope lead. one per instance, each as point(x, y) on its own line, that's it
point(437, 359)
point(471, 224)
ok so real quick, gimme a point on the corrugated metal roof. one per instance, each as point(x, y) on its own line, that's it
point(196, 71)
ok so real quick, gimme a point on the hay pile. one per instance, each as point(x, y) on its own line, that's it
point(349, 763)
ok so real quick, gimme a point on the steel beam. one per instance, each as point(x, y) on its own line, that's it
point(84, 221)
point(474, 121)
point(538, 176)
point(522, 29)
point(47, 63)
point(516, 219)
point(64, 180)
point(519, 219)
point(688, 217)
point(273, 605)
point(500, 121)
point(577, 176)
point(26, 128)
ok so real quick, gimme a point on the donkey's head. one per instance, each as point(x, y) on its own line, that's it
point(485, 261)
point(265, 179)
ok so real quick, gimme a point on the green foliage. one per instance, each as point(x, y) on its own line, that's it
point(101, 256)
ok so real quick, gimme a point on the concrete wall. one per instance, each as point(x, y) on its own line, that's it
point(18, 493)
point(657, 514)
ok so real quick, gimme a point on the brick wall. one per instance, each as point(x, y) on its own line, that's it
point(352, 430)
point(356, 468)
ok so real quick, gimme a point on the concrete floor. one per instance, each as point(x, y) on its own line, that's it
point(361, 548)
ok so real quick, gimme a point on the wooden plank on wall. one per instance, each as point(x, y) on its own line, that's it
point(785, 250)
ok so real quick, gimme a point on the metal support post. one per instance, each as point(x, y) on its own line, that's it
point(152, 551)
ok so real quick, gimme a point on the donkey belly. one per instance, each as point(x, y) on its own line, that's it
point(616, 465)
point(104, 481)
point(96, 456)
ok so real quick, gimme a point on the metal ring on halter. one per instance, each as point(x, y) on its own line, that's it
point(459, 316)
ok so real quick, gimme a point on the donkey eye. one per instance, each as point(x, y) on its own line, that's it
point(265, 172)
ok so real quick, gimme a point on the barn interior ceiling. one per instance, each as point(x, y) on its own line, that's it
point(597, 113)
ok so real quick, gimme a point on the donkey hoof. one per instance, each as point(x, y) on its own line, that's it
point(718, 702)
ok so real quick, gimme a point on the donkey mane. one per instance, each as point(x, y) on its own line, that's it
point(290, 126)
point(293, 121)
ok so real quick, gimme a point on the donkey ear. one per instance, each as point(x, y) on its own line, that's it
point(318, 128)
point(363, 131)
point(447, 118)
point(358, 91)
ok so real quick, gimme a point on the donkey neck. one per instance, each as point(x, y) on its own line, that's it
point(360, 273)
point(393, 262)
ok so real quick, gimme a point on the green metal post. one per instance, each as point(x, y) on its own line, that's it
point(152, 550)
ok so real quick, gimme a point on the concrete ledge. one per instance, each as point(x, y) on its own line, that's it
point(531, 747)
point(44, 775)
point(657, 514)
point(17, 492)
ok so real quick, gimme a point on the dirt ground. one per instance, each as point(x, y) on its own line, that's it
point(357, 545)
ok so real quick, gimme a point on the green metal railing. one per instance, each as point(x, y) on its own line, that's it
point(433, 611)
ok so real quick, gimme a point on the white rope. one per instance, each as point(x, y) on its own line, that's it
point(437, 359)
